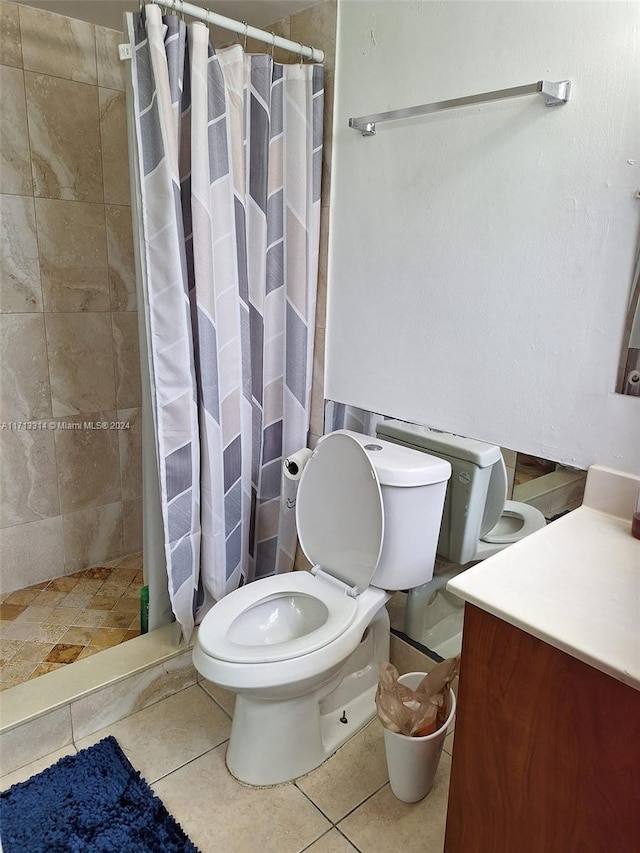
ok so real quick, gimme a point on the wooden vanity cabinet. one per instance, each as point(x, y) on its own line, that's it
point(546, 754)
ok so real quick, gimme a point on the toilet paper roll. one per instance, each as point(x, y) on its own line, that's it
point(294, 464)
point(287, 536)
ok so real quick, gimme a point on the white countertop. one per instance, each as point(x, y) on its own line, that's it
point(576, 583)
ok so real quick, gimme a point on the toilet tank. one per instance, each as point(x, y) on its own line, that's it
point(472, 462)
point(413, 492)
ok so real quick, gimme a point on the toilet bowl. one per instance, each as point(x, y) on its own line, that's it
point(301, 650)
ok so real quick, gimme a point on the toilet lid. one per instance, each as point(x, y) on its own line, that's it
point(496, 497)
point(339, 511)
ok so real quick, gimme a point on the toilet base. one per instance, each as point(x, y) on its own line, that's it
point(276, 741)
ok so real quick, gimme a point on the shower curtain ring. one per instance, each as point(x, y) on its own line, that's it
point(273, 43)
point(246, 32)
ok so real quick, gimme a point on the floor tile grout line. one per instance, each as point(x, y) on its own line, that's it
point(187, 763)
point(315, 805)
point(366, 799)
point(347, 839)
point(215, 701)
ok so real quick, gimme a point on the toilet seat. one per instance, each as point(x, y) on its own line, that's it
point(286, 616)
point(532, 520)
point(282, 617)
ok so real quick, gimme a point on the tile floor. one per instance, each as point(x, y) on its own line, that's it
point(49, 625)
point(346, 805)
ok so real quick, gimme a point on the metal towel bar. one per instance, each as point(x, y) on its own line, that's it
point(554, 95)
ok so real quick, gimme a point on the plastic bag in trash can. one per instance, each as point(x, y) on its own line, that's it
point(416, 712)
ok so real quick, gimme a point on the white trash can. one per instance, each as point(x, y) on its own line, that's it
point(412, 762)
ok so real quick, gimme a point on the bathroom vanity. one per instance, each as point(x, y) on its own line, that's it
point(547, 733)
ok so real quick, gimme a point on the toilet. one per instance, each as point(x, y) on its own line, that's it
point(478, 522)
point(301, 650)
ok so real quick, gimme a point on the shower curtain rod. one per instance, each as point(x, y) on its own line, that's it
point(554, 94)
point(243, 29)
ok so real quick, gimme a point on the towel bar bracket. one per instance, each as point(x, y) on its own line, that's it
point(555, 94)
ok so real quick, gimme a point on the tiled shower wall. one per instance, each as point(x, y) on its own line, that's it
point(70, 494)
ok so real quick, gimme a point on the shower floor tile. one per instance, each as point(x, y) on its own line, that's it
point(49, 625)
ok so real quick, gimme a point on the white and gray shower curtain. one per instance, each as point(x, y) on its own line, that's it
point(229, 152)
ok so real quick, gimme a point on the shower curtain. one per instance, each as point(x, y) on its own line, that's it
point(229, 152)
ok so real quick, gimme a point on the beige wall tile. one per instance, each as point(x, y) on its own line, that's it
point(57, 45)
point(396, 608)
point(220, 37)
point(117, 701)
point(313, 440)
point(280, 28)
point(323, 252)
point(316, 425)
point(122, 278)
point(28, 485)
point(300, 562)
point(115, 158)
point(127, 359)
point(10, 46)
point(316, 27)
point(31, 553)
point(406, 658)
point(80, 348)
point(92, 536)
point(15, 165)
point(33, 740)
point(110, 66)
point(132, 525)
point(327, 137)
point(88, 463)
point(24, 384)
point(20, 288)
point(64, 132)
point(73, 255)
point(130, 441)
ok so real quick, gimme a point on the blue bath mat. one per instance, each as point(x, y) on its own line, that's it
point(91, 802)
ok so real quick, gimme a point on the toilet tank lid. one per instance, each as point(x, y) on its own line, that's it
point(427, 439)
point(395, 467)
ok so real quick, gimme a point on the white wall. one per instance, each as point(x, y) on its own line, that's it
point(481, 259)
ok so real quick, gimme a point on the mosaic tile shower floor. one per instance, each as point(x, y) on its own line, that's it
point(49, 625)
